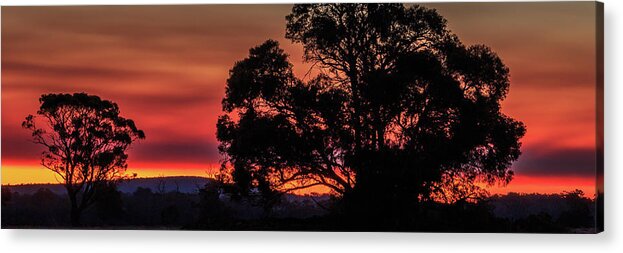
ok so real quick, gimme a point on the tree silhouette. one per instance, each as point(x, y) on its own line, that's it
point(399, 105)
point(108, 202)
point(85, 143)
point(6, 195)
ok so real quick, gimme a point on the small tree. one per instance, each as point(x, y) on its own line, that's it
point(85, 143)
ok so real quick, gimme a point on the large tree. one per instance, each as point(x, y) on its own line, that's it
point(85, 143)
point(399, 110)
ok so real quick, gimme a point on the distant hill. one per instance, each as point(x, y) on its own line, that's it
point(182, 184)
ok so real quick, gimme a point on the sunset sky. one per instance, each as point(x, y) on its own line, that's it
point(166, 66)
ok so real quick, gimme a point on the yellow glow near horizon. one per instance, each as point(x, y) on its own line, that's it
point(28, 174)
point(21, 174)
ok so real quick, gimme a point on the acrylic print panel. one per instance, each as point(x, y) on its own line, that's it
point(440, 117)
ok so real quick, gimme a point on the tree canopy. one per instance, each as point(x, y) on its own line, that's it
point(400, 109)
point(85, 142)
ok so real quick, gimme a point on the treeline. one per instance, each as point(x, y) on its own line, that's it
point(212, 209)
point(145, 208)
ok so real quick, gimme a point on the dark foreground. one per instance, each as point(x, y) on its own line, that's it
point(167, 205)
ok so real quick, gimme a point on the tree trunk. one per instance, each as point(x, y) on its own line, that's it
point(75, 212)
point(75, 217)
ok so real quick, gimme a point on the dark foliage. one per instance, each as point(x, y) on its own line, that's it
point(6, 195)
point(85, 143)
point(538, 223)
point(579, 212)
point(108, 203)
point(399, 110)
point(43, 208)
point(212, 211)
point(547, 213)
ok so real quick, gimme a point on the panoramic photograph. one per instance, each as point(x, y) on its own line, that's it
point(401, 117)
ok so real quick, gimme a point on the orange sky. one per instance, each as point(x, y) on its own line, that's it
point(166, 67)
